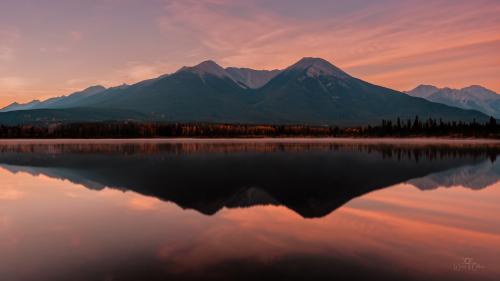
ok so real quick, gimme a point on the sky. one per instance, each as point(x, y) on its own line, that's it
point(54, 47)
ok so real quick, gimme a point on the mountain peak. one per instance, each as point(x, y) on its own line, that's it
point(315, 67)
point(20, 106)
point(478, 88)
point(424, 86)
point(472, 97)
point(311, 60)
point(423, 91)
point(94, 88)
point(206, 67)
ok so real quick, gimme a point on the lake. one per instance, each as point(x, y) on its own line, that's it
point(292, 209)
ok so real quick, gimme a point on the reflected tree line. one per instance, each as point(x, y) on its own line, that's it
point(387, 128)
point(415, 152)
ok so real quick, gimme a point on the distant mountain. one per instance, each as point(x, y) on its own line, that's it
point(71, 100)
point(472, 97)
point(312, 91)
point(21, 106)
point(423, 91)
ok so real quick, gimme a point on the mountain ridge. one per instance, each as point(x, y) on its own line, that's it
point(311, 91)
point(55, 101)
point(472, 97)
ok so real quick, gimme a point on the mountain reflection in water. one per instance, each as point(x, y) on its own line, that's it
point(249, 211)
point(313, 179)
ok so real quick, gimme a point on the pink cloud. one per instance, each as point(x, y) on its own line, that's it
point(9, 34)
point(6, 54)
point(75, 36)
point(392, 43)
point(365, 37)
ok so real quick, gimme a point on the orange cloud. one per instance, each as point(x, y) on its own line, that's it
point(398, 44)
point(386, 45)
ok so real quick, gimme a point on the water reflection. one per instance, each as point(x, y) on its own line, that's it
point(312, 179)
point(54, 230)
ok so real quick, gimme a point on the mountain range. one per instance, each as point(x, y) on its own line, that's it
point(312, 91)
point(473, 97)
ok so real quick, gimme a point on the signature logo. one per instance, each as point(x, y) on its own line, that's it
point(468, 264)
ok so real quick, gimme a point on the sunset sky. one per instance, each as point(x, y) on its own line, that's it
point(54, 47)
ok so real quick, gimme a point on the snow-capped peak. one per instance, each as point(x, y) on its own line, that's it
point(423, 91)
point(315, 67)
point(206, 67)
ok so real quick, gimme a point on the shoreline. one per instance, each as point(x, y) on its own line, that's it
point(305, 140)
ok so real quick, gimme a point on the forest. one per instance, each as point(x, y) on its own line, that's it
point(387, 128)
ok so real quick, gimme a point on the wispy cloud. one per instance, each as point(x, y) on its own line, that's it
point(390, 42)
point(137, 71)
point(12, 82)
point(8, 37)
point(75, 36)
point(9, 34)
point(6, 54)
point(404, 34)
point(11, 194)
point(224, 30)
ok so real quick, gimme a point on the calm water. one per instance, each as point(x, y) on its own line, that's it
point(198, 210)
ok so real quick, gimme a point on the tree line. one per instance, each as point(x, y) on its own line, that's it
point(387, 128)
